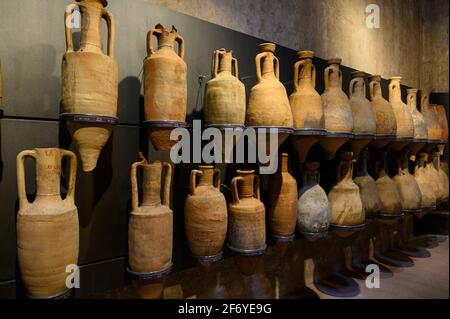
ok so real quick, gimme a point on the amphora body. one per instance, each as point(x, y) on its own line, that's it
point(246, 215)
point(47, 228)
point(367, 188)
point(165, 86)
point(150, 228)
point(344, 198)
point(90, 82)
point(337, 109)
point(313, 210)
point(282, 201)
point(205, 214)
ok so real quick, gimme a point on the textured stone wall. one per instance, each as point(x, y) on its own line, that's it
point(434, 50)
point(338, 28)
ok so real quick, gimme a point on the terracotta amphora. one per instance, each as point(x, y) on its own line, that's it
point(47, 228)
point(246, 215)
point(431, 117)
point(443, 123)
point(441, 178)
point(387, 189)
point(410, 195)
point(384, 113)
point(337, 109)
point(165, 86)
point(90, 81)
point(282, 193)
point(433, 176)
point(306, 105)
point(150, 228)
point(205, 214)
point(344, 198)
point(364, 120)
point(421, 176)
point(268, 105)
point(403, 117)
point(367, 188)
point(313, 210)
point(444, 167)
point(420, 127)
point(224, 94)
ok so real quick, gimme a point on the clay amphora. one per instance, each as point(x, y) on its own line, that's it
point(225, 94)
point(282, 193)
point(313, 210)
point(337, 109)
point(420, 127)
point(410, 195)
point(47, 228)
point(385, 117)
point(150, 227)
point(268, 103)
point(90, 81)
point(205, 214)
point(367, 188)
point(306, 105)
point(439, 179)
point(247, 230)
point(424, 183)
point(165, 86)
point(387, 189)
point(444, 167)
point(405, 124)
point(443, 123)
point(433, 177)
point(364, 120)
point(344, 198)
point(431, 117)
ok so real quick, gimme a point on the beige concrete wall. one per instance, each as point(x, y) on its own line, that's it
point(337, 28)
point(434, 50)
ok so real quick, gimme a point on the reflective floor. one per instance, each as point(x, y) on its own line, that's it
point(330, 267)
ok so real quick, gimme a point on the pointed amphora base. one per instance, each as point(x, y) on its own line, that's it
point(358, 143)
point(271, 134)
point(400, 143)
point(303, 140)
point(415, 147)
point(381, 141)
point(430, 146)
point(231, 134)
point(90, 139)
point(441, 147)
point(158, 133)
point(332, 142)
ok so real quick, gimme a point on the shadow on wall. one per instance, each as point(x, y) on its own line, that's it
point(90, 186)
point(129, 97)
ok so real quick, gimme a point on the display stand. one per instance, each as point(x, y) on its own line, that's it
point(253, 252)
point(151, 275)
point(88, 118)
